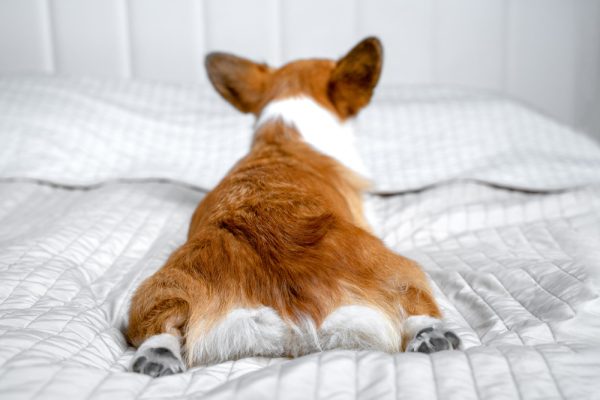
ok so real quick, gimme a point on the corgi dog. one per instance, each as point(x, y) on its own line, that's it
point(280, 260)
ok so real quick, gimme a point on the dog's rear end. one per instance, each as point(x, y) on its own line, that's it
point(279, 260)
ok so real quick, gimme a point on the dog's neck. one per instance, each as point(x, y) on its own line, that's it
point(318, 127)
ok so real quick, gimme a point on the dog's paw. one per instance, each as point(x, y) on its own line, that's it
point(433, 339)
point(156, 361)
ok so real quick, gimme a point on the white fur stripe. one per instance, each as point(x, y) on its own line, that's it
point(319, 127)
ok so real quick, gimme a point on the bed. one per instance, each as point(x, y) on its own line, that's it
point(499, 204)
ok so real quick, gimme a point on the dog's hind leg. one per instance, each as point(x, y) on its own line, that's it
point(158, 315)
point(423, 329)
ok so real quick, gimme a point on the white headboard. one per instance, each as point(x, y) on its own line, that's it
point(546, 52)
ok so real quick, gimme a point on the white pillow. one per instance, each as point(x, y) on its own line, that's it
point(84, 132)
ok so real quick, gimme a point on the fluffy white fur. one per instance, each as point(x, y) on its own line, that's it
point(359, 327)
point(319, 127)
point(244, 332)
point(303, 338)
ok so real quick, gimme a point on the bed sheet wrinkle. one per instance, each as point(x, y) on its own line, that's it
point(496, 316)
point(515, 314)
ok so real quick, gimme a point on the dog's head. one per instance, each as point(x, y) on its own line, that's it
point(343, 86)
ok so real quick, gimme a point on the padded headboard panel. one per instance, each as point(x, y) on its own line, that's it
point(545, 52)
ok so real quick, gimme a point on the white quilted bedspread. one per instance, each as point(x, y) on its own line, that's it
point(98, 181)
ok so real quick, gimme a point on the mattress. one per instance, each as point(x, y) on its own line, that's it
point(499, 204)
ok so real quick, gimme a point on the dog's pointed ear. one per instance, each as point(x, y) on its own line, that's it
point(355, 76)
point(241, 82)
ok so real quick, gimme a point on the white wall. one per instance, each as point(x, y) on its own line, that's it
point(546, 52)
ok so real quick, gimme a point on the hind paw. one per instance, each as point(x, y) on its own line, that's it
point(433, 339)
point(158, 356)
point(158, 361)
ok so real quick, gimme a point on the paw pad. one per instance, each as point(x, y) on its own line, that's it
point(431, 340)
point(156, 361)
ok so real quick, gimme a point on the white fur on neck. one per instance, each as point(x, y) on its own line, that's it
point(319, 127)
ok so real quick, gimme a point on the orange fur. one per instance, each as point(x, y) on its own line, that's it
point(284, 228)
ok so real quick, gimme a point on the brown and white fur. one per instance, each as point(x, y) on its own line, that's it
point(279, 259)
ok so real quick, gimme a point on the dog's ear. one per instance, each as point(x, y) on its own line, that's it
point(241, 82)
point(355, 76)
